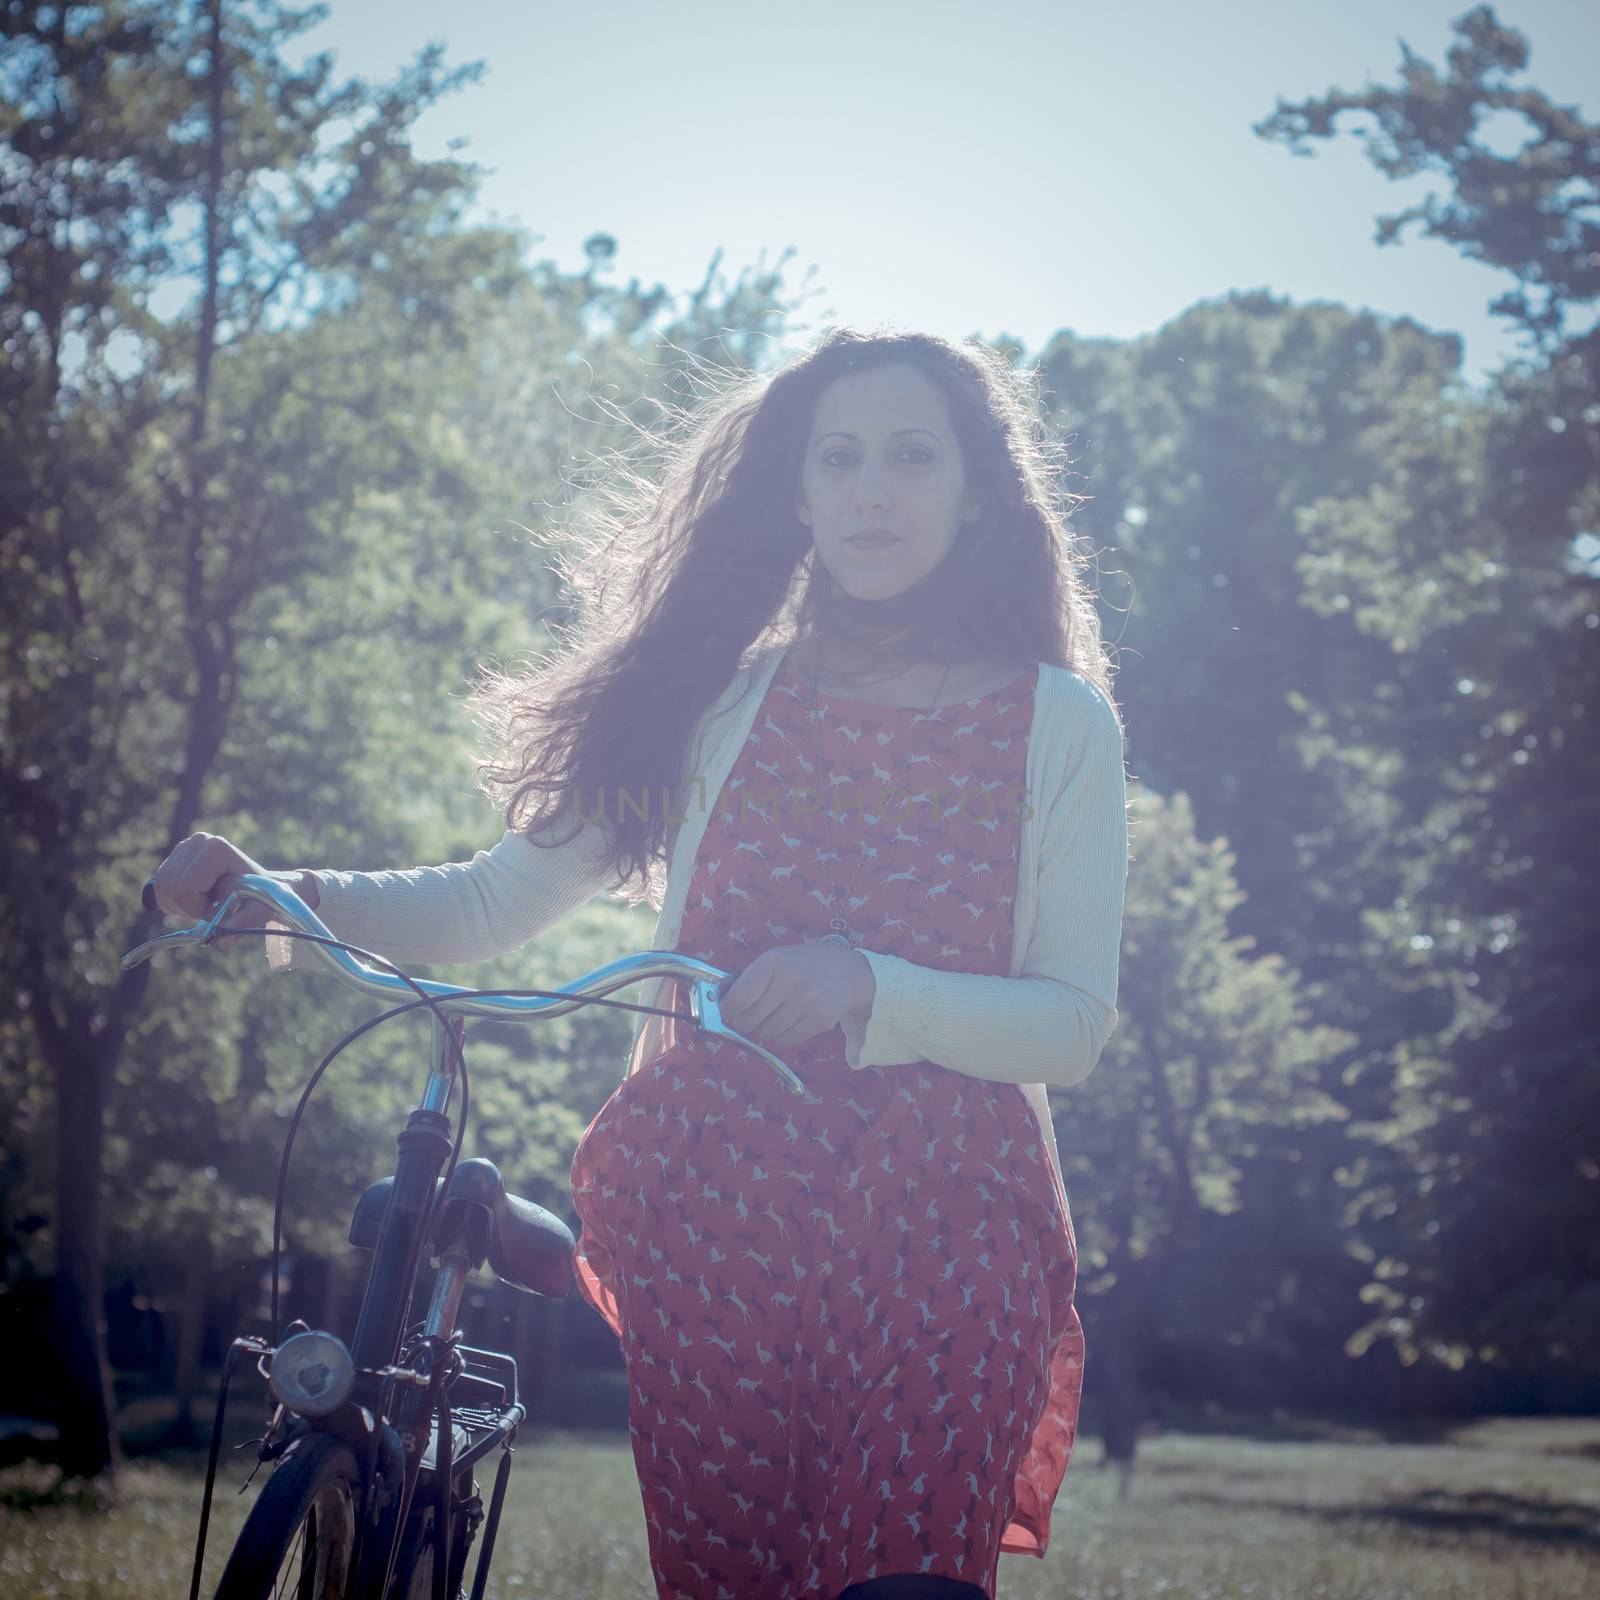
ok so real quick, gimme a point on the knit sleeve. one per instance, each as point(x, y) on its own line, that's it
point(1049, 1024)
point(462, 911)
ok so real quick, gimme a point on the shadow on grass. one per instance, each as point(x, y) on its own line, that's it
point(1279, 1426)
point(1588, 1452)
point(1481, 1511)
point(153, 1432)
point(36, 1485)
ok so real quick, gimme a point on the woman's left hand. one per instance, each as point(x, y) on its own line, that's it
point(793, 992)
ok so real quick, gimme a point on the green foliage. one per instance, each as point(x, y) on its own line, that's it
point(1208, 1104)
point(1362, 645)
point(1470, 573)
point(1528, 211)
point(256, 548)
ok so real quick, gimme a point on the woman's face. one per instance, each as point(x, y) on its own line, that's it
point(882, 455)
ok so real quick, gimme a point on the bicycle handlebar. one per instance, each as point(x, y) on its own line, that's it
point(703, 979)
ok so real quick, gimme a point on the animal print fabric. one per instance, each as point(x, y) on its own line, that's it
point(847, 1319)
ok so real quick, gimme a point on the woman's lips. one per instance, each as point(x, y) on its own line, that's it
point(872, 541)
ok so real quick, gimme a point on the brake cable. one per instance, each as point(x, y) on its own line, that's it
point(458, 1050)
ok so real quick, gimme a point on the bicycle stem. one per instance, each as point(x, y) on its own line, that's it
point(454, 1268)
point(445, 1041)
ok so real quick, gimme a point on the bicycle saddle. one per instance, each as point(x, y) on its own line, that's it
point(526, 1246)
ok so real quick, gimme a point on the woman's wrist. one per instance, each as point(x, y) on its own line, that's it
point(304, 883)
point(866, 988)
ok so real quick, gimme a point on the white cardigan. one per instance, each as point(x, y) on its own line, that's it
point(1044, 1025)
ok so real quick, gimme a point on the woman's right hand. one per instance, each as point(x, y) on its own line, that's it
point(185, 883)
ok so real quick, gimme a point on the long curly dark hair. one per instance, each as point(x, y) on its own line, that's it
point(696, 566)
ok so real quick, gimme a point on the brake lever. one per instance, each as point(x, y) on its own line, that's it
point(203, 932)
point(706, 1009)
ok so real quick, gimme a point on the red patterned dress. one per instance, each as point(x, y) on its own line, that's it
point(847, 1319)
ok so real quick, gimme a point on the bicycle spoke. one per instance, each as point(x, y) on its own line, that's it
point(310, 1586)
point(292, 1559)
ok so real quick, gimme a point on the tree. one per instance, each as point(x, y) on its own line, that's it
point(1362, 645)
point(148, 550)
point(1480, 1196)
point(254, 550)
point(1196, 1152)
point(1529, 211)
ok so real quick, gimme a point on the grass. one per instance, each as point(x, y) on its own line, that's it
point(1508, 1508)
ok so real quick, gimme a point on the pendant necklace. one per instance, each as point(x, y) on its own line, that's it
point(842, 937)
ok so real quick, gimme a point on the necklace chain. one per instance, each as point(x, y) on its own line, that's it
point(841, 934)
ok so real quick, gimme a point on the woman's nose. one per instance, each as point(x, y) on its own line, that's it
point(872, 488)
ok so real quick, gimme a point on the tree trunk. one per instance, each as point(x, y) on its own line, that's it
point(191, 1334)
point(87, 1415)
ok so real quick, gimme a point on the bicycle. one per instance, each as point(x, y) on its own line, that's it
point(373, 1441)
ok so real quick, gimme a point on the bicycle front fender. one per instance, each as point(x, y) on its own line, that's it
point(379, 1528)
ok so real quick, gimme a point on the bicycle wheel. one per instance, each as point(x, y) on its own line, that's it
point(413, 1564)
point(296, 1542)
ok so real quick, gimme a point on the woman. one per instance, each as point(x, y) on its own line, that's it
point(849, 648)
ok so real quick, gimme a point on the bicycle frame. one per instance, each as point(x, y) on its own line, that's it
point(400, 1399)
point(400, 1403)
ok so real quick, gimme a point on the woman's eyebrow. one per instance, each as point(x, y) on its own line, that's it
point(837, 433)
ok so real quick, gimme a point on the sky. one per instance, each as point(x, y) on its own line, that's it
point(1012, 167)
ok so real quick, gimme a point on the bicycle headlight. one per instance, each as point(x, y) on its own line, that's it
point(312, 1373)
